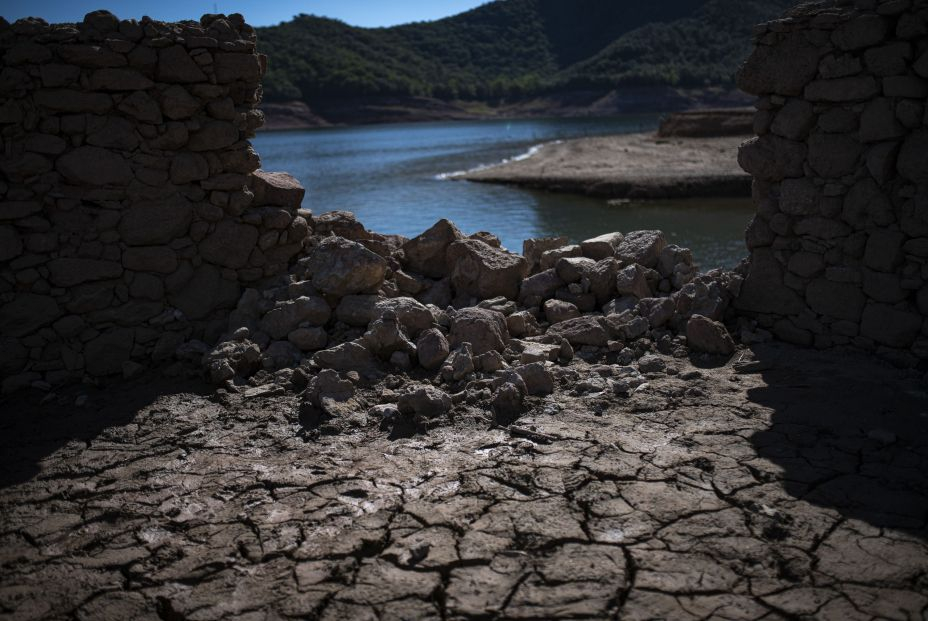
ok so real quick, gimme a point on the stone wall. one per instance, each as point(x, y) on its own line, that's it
point(132, 210)
point(839, 245)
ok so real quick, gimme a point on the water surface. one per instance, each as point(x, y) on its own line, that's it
point(394, 178)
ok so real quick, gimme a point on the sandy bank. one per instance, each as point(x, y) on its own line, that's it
point(629, 166)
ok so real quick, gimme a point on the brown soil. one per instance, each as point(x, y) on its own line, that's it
point(789, 487)
point(630, 166)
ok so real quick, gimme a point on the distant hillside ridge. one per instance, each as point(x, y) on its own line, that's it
point(512, 50)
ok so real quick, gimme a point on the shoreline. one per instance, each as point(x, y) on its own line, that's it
point(641, 165)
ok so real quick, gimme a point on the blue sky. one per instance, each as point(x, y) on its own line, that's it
point(370, 13)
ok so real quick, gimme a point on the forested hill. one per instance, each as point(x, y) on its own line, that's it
point(510, 49)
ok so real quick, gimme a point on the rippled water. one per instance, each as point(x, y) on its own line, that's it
point(391, 177)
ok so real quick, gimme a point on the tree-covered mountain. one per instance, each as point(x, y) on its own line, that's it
point(510, 49)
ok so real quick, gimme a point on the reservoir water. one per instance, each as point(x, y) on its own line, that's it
point(395, 179)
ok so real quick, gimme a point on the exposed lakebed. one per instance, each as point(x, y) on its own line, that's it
point(395, 178)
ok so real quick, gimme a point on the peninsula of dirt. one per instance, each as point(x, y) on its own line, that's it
point(629, 166)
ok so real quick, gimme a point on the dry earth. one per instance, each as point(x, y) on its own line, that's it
point(789, 487)
point(631, 165)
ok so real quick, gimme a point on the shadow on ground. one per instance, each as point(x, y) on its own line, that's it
point(31, 430)
point(849, 435)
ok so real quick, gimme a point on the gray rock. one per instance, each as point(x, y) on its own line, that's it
point(573, 269)
point(341, 267)
point(309, 339)
point(484, 329)
point(232, 358)
point(532, 249)
point(385, 337)
point(652, 364)
point(482, 271)
point(522, 324)
point(277, 188)
point(459, 364)
point(424, 402)
point(351, 356)
point(642, 247)
point(538, 379)
point(626, 326)
point(506, 403)
point(535, 289)
point(287, 316)
point(602, 247)
point(587, 330)
point(550, 258)
point(557, 311)
point(658, 311)
point(711, 337)
point(426, 254)
point(632, 281)
point(432, 349)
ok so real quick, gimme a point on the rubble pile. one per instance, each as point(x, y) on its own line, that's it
point(405, 329)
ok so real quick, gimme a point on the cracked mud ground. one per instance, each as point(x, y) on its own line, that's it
point(796, 491)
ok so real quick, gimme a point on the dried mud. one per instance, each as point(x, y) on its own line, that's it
point(789, 487)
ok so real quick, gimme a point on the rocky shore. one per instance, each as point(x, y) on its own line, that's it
point(629, 166)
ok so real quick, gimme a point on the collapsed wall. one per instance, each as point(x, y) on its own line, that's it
point(839, 244)
point(132, 210)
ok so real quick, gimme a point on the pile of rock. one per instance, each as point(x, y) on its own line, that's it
point(839, 246)
point(461, 318)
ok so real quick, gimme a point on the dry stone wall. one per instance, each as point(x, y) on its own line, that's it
point(839, 244)
point(132, 207)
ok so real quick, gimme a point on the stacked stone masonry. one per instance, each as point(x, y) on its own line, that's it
point(839, 244)
point(132, 208)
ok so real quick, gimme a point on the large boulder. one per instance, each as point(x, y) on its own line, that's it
point(479, 270)
point(484, 329)
point(642, 247)
point(426, 254)
point(711, 337)
point(277, 188)
point(287, 316)
point(432, 349)
point(341, 267)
